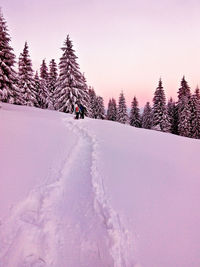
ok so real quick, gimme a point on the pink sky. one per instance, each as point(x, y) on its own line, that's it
point(121, 44)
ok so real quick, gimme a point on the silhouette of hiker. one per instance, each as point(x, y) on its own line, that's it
point(82, 111)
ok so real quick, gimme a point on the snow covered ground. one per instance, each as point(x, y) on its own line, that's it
point(94, 193)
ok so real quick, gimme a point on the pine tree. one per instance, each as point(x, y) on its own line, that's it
point(172, 114)
point(160, 116)
point(9, 91)
point(100, 109)
point(135, 118)
point(71, 86)
point(26, 80)
point(52, 79)
point(92, 100)
point(37, 87)
point(147, 116)
point(112, 110)
point(44, 90)
point(195, 115)
point(183, 106)
point(86, 97)
point(184, 90)
point(122, 116)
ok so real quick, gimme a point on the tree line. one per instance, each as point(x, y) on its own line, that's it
point(60, 87)
point(181, 117)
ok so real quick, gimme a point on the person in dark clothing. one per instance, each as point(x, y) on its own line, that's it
point(82, 111)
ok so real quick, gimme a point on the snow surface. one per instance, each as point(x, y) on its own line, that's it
point(92, 193)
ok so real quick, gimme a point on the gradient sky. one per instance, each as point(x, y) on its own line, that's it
point(121, 44)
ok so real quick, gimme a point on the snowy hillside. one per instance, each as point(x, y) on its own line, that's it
point(92, 193)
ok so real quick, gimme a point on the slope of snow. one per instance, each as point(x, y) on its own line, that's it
point(95, 193)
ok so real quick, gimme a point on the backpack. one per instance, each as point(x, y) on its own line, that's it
point(77, 109)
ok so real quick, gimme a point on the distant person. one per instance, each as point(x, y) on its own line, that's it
point(82, 111)
point(77, 111)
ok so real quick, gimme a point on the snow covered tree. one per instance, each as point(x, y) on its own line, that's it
point(184, 113)
point(44, 90)
point(172, 114)
point(71, 86)
point(9, 91)
point(135, 118)
point(100, 109)
point(44, 71)
point(37, 87)
point(184, 90)
point(86, 97)
point(26, 80)
point(147, 116)
point(122, 116)
point(52, 79)
point(195, 115)
point(53, 75)
point(160, 116)
point(112, 110)
point(92, 100)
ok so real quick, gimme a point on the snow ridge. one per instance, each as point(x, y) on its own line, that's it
point(119, 243)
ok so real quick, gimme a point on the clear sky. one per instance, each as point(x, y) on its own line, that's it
point(121, 44)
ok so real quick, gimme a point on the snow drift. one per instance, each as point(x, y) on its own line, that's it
point(95, 193)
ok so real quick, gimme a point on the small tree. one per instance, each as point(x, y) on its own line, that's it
point(112, 110)
point(52, 79)
point(147, 117)
point(160, 116)
point(92, 100)
point(37, 87)
point(122, 116)
point(195, 115)
point(135, 118)
point(100, 109)
point(44, 90)
point(184, 112)
point(172, 115)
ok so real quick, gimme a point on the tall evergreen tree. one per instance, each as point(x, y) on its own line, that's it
point(112, 110)
point(135, 118)
point(172, 114)
point(71, 85)
point(195, 115)
point(160, 116)
point(44, 90)
point(9, 91)
point(26, 80)
point(183, 106)
point(147, 116)
point(122, 116)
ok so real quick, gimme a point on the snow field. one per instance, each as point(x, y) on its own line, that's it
point(95, 193)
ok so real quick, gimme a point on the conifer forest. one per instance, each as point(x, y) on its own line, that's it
point(59, 86)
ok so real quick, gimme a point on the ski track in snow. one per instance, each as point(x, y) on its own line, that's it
point(38, 231)
point(119, 237)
